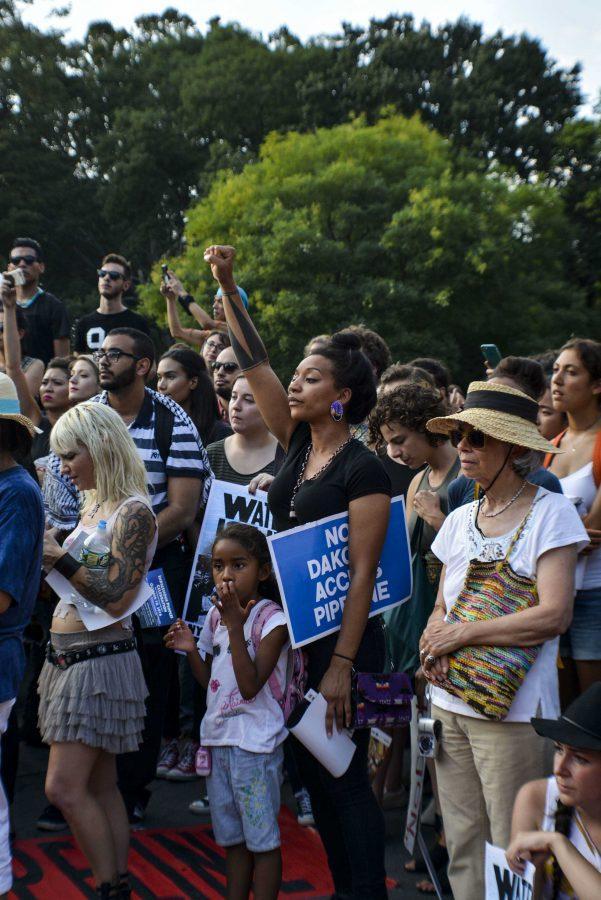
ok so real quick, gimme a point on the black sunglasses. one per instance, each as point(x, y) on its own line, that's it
point(28, 260)
point(227, 367)
point(114, 276)
point(475, 438)
point(112, 355)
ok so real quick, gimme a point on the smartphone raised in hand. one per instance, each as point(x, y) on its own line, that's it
point(491, 354)
point(165, 271)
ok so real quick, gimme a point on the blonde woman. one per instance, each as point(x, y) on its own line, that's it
point(91, 688)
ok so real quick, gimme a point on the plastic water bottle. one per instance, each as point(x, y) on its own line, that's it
point(96, 550)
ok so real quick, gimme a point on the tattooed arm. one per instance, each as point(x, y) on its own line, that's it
point(250, 351)
point(114, 587)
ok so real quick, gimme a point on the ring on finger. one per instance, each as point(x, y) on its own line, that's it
point(430, 658)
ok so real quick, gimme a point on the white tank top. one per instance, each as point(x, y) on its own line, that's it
point(65, 604)
point(581, 489)
point(578, 836)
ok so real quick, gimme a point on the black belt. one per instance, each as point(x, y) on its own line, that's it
point(70, 657)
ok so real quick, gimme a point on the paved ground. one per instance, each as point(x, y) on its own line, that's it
point(169, 808)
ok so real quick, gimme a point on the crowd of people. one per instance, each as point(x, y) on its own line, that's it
point(102, 436)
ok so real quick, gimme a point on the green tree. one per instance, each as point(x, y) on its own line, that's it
point(374, 223)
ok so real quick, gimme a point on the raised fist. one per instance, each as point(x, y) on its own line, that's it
point(221, 260)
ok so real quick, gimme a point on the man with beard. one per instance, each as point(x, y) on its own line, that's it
point(47, 333)
point(114, 280)
point(225, 371)
point(178, 477)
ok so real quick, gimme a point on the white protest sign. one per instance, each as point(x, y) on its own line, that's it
point(227, 503)
point(501, 882)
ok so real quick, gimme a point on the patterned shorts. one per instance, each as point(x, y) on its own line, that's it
point(244, 796)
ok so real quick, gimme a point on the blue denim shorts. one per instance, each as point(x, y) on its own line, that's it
point(244, 796)
point(582, 640)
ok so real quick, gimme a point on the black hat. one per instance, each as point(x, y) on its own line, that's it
point(580, 725)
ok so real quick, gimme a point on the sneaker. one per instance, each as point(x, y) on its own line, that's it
point(168, 759)
point(200, 807)
point(137, 815)
point(185, 769)
point(304, 810)
point(52, 819)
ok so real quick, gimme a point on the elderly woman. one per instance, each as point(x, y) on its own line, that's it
point(92, 688)
point(490, 646)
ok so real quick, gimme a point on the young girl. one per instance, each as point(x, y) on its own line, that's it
point(244, 724)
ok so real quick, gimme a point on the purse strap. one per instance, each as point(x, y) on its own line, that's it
point(517, 535)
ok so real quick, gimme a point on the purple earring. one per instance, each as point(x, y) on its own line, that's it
point(337, 410)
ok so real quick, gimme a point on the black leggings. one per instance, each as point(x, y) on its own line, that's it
point(347, 814)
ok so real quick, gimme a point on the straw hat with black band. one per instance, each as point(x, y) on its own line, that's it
point(580, 724)
point(499, 411)
point(9, 405)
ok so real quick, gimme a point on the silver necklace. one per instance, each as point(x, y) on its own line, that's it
point(518, 494)
point(301, 476)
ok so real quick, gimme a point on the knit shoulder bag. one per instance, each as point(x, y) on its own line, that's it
point(487, 678)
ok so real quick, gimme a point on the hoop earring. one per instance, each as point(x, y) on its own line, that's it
point(337, 411)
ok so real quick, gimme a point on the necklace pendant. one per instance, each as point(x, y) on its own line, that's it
point(292, 513)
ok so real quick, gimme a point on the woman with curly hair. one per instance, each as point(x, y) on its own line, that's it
point(399, 420)
point(557, 821)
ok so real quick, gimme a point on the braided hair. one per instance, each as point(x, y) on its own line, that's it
point(563, 823)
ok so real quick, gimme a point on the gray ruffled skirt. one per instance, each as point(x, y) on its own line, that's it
point(98, 702)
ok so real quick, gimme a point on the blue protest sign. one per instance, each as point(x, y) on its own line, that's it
point(158, 610)
point(311, 566)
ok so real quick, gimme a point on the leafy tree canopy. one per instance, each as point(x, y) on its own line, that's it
point(379, 224)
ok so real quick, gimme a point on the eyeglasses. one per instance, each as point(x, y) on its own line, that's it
point(28, 260)
point(474, 437)
point(227, 367)
point(114, 276)
point(112, 355)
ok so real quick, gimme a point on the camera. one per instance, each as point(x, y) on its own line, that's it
point(428, 737)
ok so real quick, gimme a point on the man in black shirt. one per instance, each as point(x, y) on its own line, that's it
point(47, 333)
point(114, 280)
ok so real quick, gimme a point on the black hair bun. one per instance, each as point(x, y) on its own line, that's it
point(346, 340)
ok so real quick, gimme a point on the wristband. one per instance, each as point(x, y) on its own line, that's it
point(185, 300)
point(342, 656)
point(67, 566)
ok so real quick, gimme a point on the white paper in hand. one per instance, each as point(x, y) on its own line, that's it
point(92, 616)
point(501, 882)
point(335, 752)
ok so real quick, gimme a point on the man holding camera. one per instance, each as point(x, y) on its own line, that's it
point(47, 320)
point(114, 280)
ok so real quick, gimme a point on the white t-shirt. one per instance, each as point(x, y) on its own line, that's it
point(581, 489)
point(553, 523)
point(256, 725)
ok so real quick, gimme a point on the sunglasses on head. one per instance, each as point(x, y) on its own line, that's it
point(28, 260)
point(227, 367)
point(474, 437)
point(114, 276)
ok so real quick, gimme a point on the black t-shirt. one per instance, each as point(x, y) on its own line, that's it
point(400, 476)
point(355, 472)
point(47, 320)
point(90, 331)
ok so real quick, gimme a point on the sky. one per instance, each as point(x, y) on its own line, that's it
point(571, 31)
